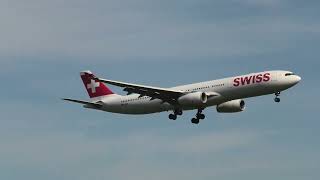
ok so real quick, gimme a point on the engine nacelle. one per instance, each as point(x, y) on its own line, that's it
point(193, 99)
point(231, 106)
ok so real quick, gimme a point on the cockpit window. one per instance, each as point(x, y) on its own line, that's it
point(289, 74)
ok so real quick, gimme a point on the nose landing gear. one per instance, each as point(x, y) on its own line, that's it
point(277, 99)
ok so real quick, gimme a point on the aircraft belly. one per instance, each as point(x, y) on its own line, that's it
point(215, 100)
point(146, 107)
point(247, 91)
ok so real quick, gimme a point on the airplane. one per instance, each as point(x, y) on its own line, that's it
point(226, 94)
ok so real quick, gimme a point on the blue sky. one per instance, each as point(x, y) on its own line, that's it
point(44, 44)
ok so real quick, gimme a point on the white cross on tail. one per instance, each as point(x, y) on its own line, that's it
point(93, 85)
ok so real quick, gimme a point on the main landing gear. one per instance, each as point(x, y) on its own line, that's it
point(196, 120)
point(175, 114)
point(199, 116)
point(277, 99)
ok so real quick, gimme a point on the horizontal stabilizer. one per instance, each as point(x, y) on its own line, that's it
point(96, 105)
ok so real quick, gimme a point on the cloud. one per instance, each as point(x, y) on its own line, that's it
point(44, 138)
point(132, 154)
point(146, 154)
point(264, 3)
point(112, 31)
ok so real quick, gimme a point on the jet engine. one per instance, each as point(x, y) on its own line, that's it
point(231, 106)
point(193, 99)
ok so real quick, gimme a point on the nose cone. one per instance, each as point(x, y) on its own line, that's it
point(289, 81)
point(294, 80)
point(297, 79)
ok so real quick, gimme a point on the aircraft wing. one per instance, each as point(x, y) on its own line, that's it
point(167, 95)
point(96, 105)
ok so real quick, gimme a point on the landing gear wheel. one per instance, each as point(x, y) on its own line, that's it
point(178, 112)
point(195, 121)
point(172, 116)
point(277, 100)
point(201, 116)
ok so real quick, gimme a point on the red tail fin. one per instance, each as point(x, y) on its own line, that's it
point(94, 88)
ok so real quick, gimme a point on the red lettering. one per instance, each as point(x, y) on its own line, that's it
point(243, 82)
point(248, 80)
point(266, 77)
point(259, 78)
point(236, 82)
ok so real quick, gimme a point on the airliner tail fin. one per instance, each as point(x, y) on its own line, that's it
point(94, 87)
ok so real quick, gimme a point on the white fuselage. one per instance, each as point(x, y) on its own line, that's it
point(223, 90)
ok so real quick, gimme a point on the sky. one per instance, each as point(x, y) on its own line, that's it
point(45, 44)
